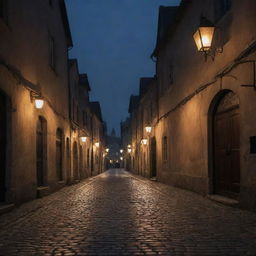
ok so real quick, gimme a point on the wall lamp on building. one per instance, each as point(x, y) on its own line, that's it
point(148, 129)
point(107, 150)
point(203, 37)
point(83, 138)
point(121, 158)
point(129, 146)
point(111, 161)
point(129, 150)
point(144, 141)
point(97, 144)
point(121, 151)
point(38, 100)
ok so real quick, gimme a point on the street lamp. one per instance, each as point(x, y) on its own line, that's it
point(129, 150)
point(129, 146)
point(204, 35)
point(148, 129)
point(121, 151)
point(97, 144)
point(144, 141)
point(83, 138)
point(107, 150)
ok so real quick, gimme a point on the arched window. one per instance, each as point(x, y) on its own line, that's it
point(59, 154)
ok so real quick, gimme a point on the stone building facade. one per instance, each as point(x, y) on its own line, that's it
point(36, 141)
point(205, 129)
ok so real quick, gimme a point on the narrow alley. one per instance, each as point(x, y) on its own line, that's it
point(118, 213)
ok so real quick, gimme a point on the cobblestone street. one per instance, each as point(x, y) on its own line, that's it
point(117, 213)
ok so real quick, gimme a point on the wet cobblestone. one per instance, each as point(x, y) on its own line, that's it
point(117, 213)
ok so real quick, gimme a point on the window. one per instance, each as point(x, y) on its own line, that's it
point(221, 8)
point(52, 62)
point(164, 148)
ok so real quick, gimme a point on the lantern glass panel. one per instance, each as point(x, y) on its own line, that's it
point(203, 38)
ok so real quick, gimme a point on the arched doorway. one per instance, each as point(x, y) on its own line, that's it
point(68, 161)
point(81, 169)
point(226, 145)
point(59, 154)
point(153, 170)
point(3, 142)
point(41, 153)
point(75, 162)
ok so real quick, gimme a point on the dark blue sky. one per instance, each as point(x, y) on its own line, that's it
point(113, 41)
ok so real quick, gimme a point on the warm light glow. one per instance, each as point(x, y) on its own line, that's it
point(83, 138)
point(121, 150)
point(39, 103)
point(148, 129)
point(204, 35)
point(129, 150)
point(121, 158)
point(97, 144)
point(129, 146)
point(111, 161)
point(107, 150)
point(144, 141)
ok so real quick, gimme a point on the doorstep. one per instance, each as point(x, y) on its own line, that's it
point(223, 200)
point(42, 191)
point(4, 208)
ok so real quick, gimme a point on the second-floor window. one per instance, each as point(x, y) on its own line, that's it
point(52, 62)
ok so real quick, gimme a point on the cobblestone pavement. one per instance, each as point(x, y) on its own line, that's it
point(117, 213)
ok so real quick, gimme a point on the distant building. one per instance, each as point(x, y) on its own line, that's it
point(114, 156)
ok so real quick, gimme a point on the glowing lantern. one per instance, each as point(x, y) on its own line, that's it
point(144, 141)
point(121, 151)
point(204, 35)
point(129, 150)
point(107, 150)
point(97, 144)
point(148, 129)
point(83, 138)
point(39, 103)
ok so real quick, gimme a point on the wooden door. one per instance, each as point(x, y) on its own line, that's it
point(227, 148)
point(2, 147)
point(153, 157)
point(40, 152)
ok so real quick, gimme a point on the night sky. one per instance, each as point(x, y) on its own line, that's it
point(113, 41)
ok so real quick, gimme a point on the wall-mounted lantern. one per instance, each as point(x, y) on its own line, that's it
point(129, 150)
point(111, 161)
point(97, 144)
point(203, 36)
point(144, 141)
point(121, 151)
point(148, 129)
point(107, 150)
point(83, 138)
point(121, 158)
point(129, 146)
point(39, 103)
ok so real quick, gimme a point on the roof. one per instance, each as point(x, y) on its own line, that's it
point(83, 80)
point(66, 23)
point(168, 19)
point(96, 109)
point(134, 102)
point(145, 82)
